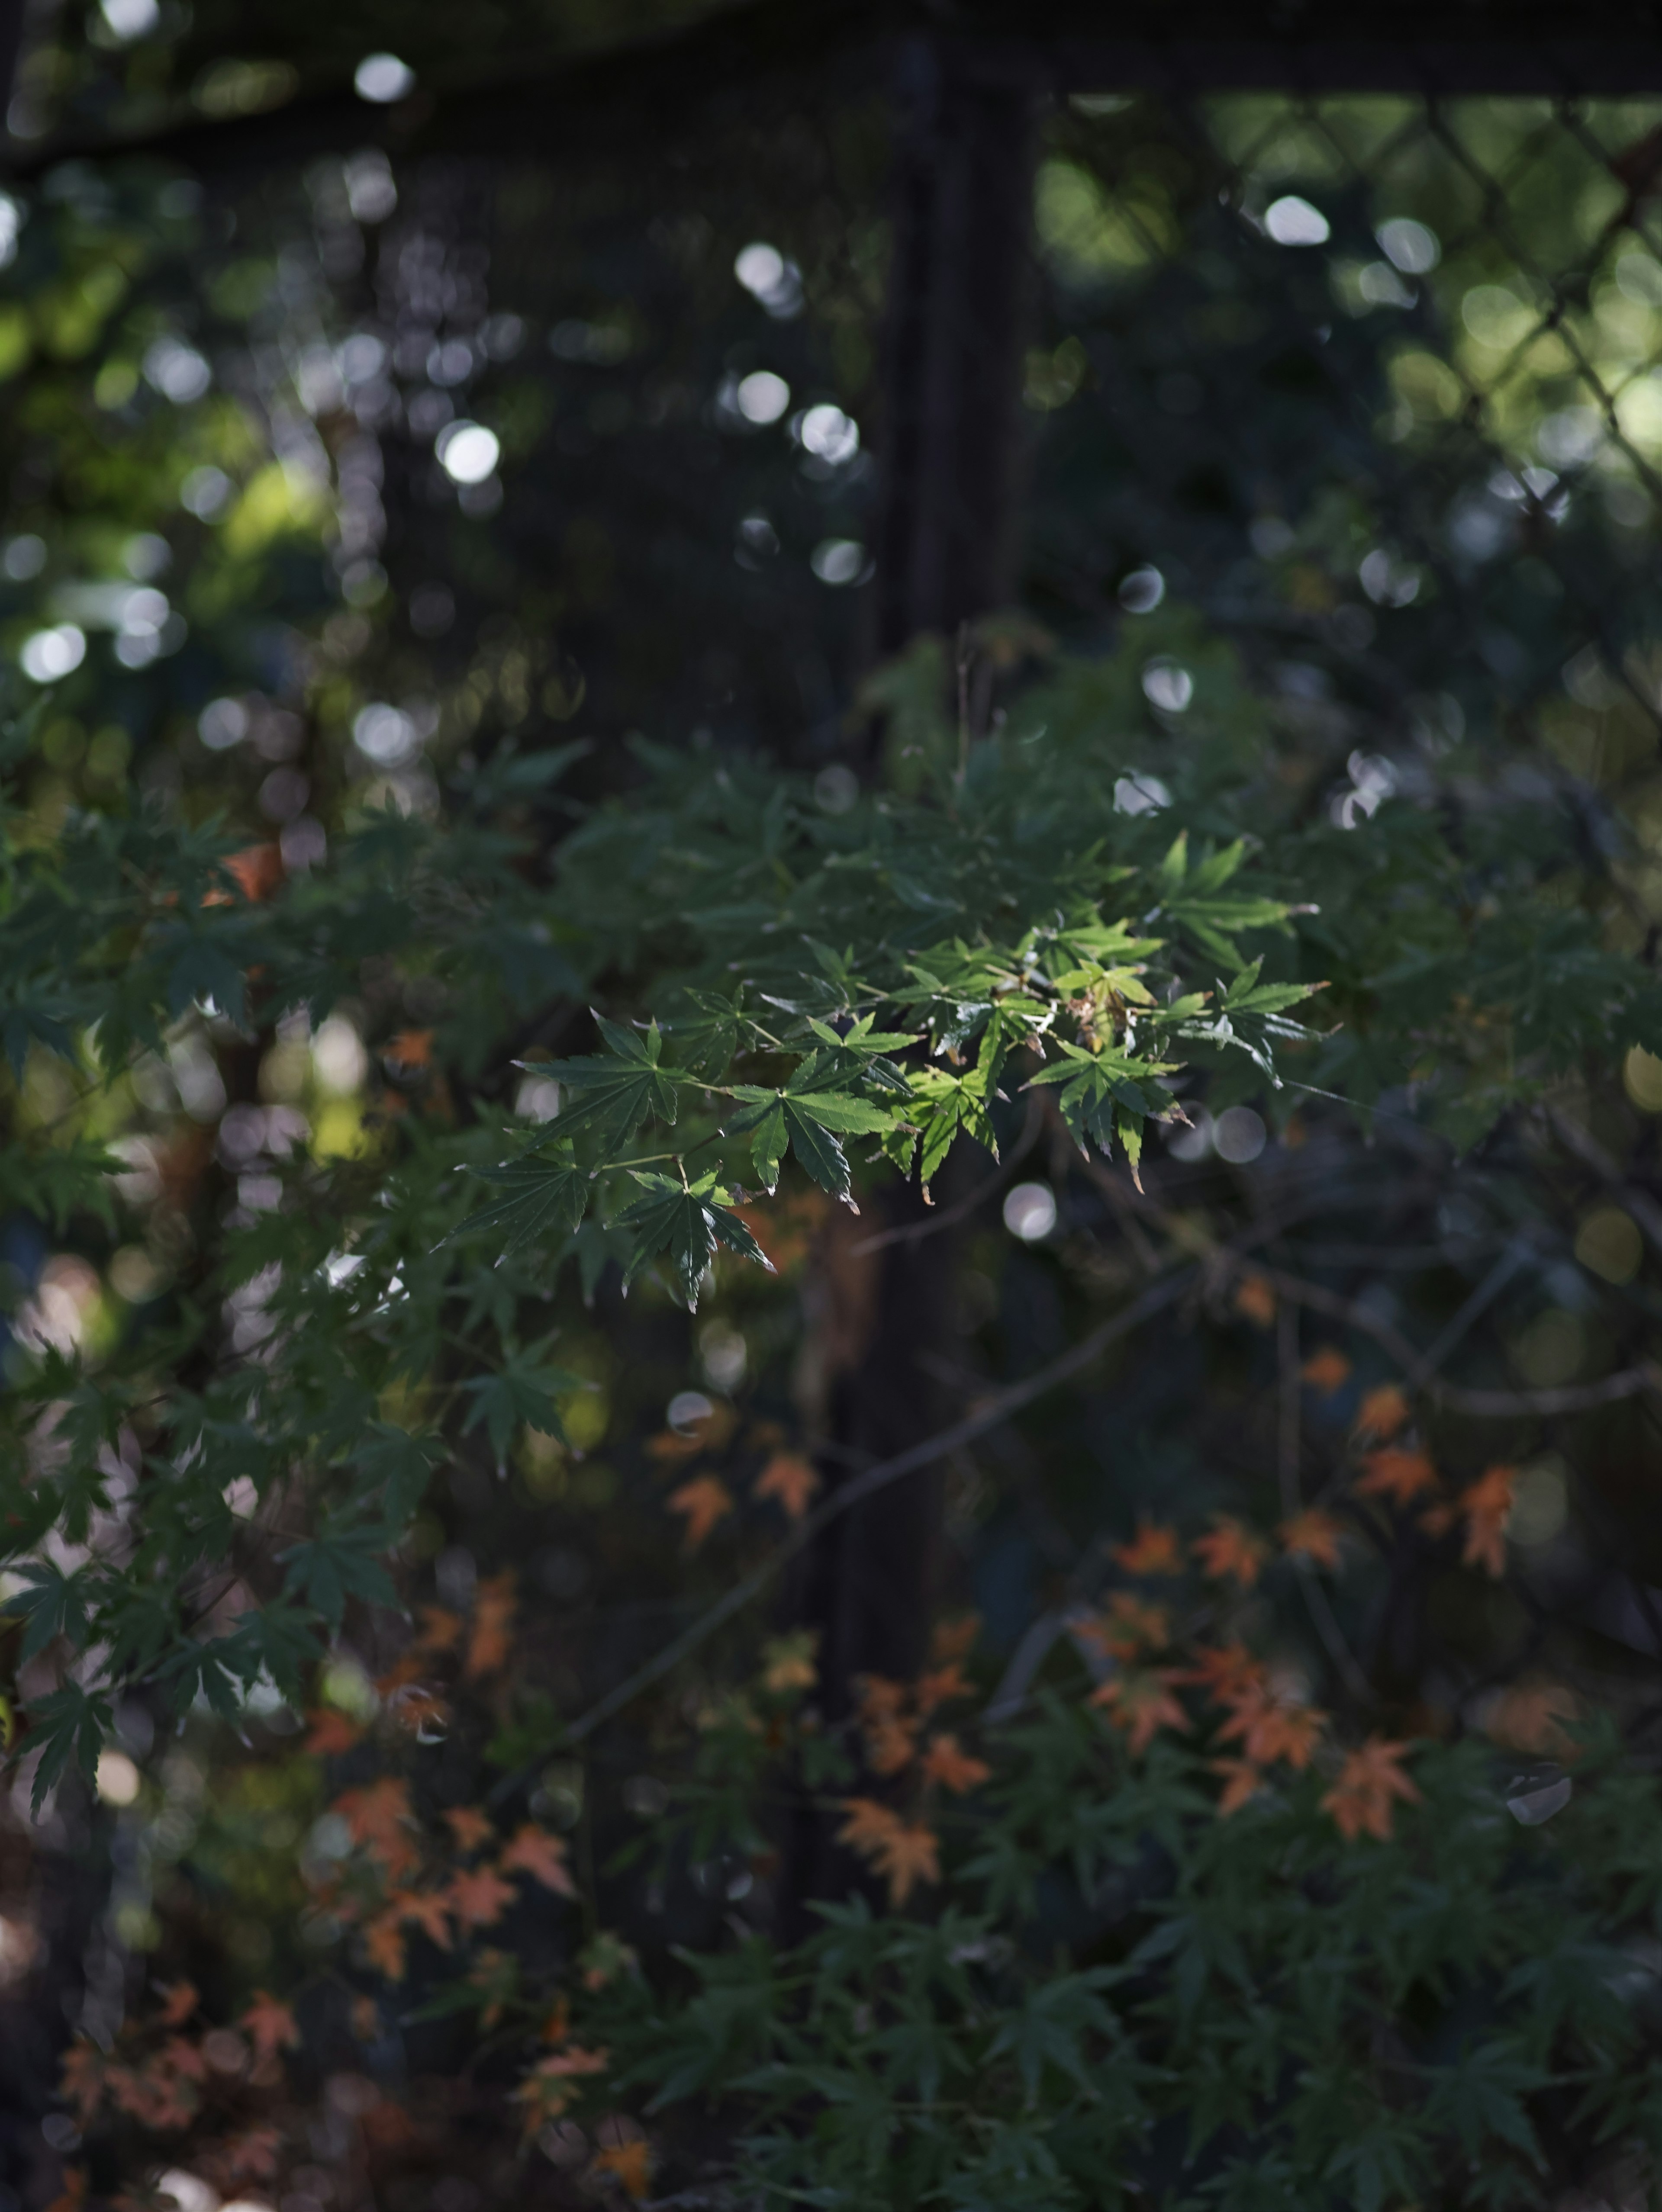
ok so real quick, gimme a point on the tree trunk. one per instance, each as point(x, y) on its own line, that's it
point(946, 547)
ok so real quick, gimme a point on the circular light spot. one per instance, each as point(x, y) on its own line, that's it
point(1167, 686)
point(836, 789)
point(467, 451)
point(828, 434)
point(383, 78)
point(1237, 1135)
point(1609, 1243)
point(1141, 592)
point(724, 1355)
point(1641, 1079)
point(1530, 1808)
point(1410, 244)
point(1139, 794)
point(760, 268)
point(1030, 1211)
point(687, 1408)
point(1291, 221)
point(762, 397)
point(839, 561)
point(178, 372)
point(1540, 1505)
point(50, 653)
point(384, 733)
point(118, 1778)
point(129, 19)
point(338, 1058)
point(206, 493)
point(23, 558)
point(222, 724)
point(1192, 1141)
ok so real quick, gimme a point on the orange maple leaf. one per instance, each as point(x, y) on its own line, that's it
point(478, 1896)
point(1528, 1717)
point(331, 1734)
point(629, 2164)
point(424, 1909)
point(903, 1853)
point(1312, 1534)
point(253, 2156)
point(1485, 1508)
point(1326, 1371)
point(411, 1048)
point(1360, 1801)
point(1272, 1728)
point(705, 1500)
point(440, 1629)
point(257, 871)
point(383, 1941)
point(271, 2025)
point(1228, 1671)
point(1396, 1474)
point(1230, 1552)
point(1140, 1702)
point(1152, 1551)
point(471, 1828)
point(1255, 1300)
point(1242, 1782)
point(535, 1852)
point(890, 1730)
point(1382, 1413)
point(788, 1478)
point(488, 1643)
point(940, 1685)
point(1129, 1629)
point(179, 2001)
point(181, 2056)
point(954, 1640)
point(954, 1770)
point(378, 1819)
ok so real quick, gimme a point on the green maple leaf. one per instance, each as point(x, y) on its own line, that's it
point(612, 1095)
point(810, 1120)
point(1195, 898)
point(542, 1195)
point(1099, 1092)
point(688, 1221)
point(67, 1723)
point(525, 1391)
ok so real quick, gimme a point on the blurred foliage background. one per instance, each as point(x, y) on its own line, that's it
point(344, 445)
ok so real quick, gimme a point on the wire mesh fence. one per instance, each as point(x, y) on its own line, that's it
point(1327, 422)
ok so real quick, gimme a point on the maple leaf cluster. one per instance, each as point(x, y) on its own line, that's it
point(785, 1478)
point(893, 1717)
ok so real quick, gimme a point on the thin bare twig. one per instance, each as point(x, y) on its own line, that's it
point(991, 1412)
